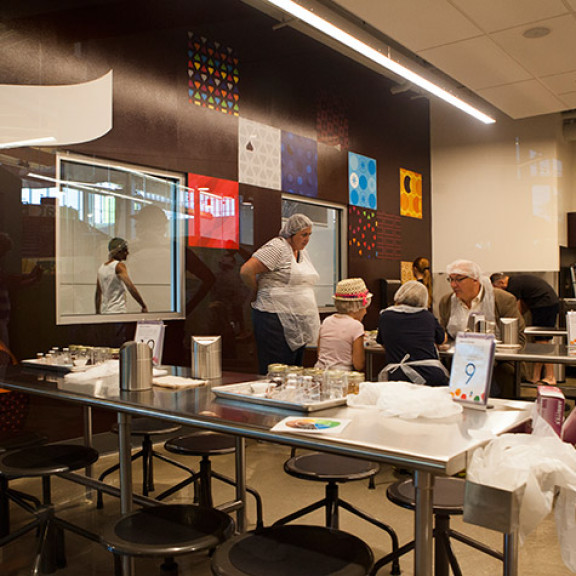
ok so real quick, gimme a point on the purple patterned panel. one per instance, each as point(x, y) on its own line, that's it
point(299, 165)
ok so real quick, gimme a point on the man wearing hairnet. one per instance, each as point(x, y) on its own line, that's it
point(473, 293)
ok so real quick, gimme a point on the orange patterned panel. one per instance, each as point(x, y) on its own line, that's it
point(410, 193)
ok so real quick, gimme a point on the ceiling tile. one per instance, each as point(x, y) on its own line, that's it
point(552, 54)
point(523, 99)
point(476, 63)
point(570, 100)
point(561, 83)
point(492, 15)
point(416, 25)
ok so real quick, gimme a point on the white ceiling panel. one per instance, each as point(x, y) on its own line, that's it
point(480, 44)
point(476, 63)
point(561, 83)
point(523, 99)
point(493, 15)
point(553, 54)
point(416, 24)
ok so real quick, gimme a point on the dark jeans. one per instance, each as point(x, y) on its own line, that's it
point(271, 343)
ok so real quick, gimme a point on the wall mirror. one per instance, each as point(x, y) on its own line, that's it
point(99, 201)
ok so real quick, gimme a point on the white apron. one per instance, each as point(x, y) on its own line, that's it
point(295, 303)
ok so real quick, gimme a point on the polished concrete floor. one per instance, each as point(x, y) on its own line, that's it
point(282, 494)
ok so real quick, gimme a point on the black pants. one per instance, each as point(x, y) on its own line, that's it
point(271, 343)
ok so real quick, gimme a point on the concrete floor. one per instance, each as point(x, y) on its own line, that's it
point(281, 494)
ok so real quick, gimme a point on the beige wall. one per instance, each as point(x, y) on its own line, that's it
point(500, 193)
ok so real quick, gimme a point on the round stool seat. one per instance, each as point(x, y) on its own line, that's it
point(203, 443)
point(329, 468)
point(293, 550)
point(150, 427)
point(168, 530)
point(447, 497)
point(47, 459)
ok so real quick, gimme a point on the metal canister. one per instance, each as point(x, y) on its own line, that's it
point(135, 366)
point(206, 357)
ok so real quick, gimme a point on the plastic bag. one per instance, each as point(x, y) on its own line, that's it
point(406, 400)
point(544, 465)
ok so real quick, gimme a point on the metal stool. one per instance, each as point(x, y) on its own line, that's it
point(334, 470)
point(145, 427)
point(293, 551)
point(43, 461)
point(8, 442)
point(447, 500)
point(166, 531)
point(206, 444)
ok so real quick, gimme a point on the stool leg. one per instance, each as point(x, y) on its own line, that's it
point(147, 466)
point(169, 567)
point(257, 497)
point(205, 483)
point(4, 507)
point(442, 524)
point(332, 520)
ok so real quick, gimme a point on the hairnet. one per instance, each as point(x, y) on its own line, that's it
point(294, 224)
point(412, 293)
point(116, 245)
point(466, 268)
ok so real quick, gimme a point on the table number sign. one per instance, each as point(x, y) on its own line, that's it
point(152, 332)
point(472, 367)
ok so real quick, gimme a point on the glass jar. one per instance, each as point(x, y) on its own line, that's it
point(277, 373)
point(354, 379)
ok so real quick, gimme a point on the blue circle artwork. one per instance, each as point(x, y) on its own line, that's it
point(362, 188)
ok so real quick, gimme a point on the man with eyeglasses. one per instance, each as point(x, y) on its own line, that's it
point(473, 293)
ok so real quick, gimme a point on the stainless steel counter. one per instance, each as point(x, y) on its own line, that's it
point(429, 447)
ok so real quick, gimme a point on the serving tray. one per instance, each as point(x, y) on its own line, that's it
point(35, 363)
point(243, 393)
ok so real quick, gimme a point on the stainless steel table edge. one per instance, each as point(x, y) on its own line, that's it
point(425, 468)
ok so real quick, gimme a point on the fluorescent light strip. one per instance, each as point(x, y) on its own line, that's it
point(31, 142)
point(359, 46)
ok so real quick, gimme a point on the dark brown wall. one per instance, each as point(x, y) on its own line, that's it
point(283, 76)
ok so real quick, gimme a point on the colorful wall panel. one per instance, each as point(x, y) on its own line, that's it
point(389, 238)
point(362, 181)
point(410, 193)
point(213, 75)
point(362, 232)
point(212, 210)
point(299, 165)
point(259, 154)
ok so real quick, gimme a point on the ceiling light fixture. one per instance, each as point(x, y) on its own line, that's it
point(358, 46)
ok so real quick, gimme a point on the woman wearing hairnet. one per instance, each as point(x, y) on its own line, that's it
point(284, 310)
point(410, 333)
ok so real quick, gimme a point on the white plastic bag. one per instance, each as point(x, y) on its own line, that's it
point(544, 465)
point(406, 400)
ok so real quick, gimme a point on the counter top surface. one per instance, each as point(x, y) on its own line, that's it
point(440, 446)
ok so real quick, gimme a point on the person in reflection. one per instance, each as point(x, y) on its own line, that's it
point(473, 293)
point(284, 310)
point(113, 281)
point(536, 296)
point(341, 338)
point(9, 282)
point(410, 334)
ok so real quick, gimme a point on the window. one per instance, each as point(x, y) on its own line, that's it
point(98, 201)
point(327, 246)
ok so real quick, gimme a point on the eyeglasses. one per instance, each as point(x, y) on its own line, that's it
point(456, 280)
